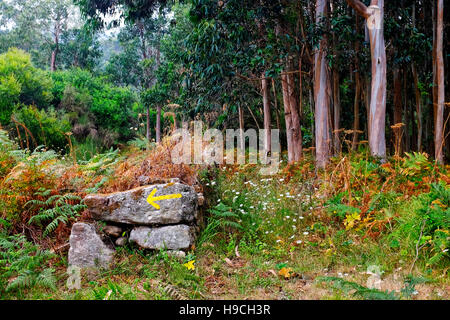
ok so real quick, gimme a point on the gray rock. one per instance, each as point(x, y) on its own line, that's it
point(132, 207)
point(121, 241)
point(87, 250)
point(169, 237)
point(113, 231)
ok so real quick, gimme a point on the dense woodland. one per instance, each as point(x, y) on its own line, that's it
point(90, 92)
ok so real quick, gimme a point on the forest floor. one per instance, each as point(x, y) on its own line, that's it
point(358, 230)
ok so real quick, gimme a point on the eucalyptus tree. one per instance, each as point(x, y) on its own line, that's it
point(37, 27)
point(374, 15)
point(322, 91)
point(79, 47)
point(438, 82)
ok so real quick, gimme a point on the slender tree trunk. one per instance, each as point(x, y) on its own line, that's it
point(148, 123)
point(377, 115)
point(321, 98)
point(295, 116)
point(267, 115)
point(439, 84)
point(158, 124)
point(311, 110)
point(55, 51)
point(287, 118)
point(417, 94)
point(292, 118)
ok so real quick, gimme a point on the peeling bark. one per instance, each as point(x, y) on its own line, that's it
point(321, 98)
point(377, 115)
point(439, 85)
point(292, 118)
point(295, 117)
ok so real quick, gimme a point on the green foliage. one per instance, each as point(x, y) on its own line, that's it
point(416, 166)
point(79, 48)
point(100, 105)
point(426, 225)
point(21, 82)
point(359, 291)
point(46, 127)
point(22, 264)
point(56, 209)
point(410, 285)
point(6, 145)
point(337, 209)
point(226, 217)
point(101, 163)
point(141, 143)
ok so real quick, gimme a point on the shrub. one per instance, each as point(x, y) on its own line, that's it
point(426, 228)
point(100, 105)
point(45, 127)
point(21, 82)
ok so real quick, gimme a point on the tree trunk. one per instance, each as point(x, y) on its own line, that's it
point(275, 101)
point(417, 93)
point(56, 49)
point(148, 123)
point(158, 124)
point(439, 84)
point(295, 116)
point(321, 98)
point(292, 118)
point(267, 116)
point(377, 115)
point(287, 117)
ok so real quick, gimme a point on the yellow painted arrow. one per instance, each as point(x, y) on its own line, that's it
point(151, 199)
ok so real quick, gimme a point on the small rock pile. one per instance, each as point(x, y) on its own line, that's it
point(130, 218)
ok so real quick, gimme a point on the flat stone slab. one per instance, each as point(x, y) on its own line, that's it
point(131, 206)
point(87, 250)
point(169, 237)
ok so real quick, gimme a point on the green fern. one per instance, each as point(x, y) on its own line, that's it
point(55, 209)
point(5, 142)
point(21, 264)
point(97, 186)
point(101, 163)
point(359, 290)
point(226, 216)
